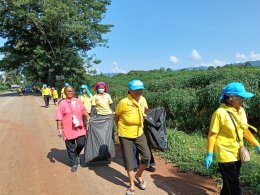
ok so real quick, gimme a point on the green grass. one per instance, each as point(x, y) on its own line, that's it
point(187, 151)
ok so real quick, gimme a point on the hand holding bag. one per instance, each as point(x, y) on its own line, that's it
point(244, 154)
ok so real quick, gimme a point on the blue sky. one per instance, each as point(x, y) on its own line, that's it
point(149, 34)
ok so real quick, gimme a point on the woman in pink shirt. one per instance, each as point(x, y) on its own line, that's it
point(70, 126)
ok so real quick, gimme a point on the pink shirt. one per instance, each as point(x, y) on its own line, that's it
point(64, 115)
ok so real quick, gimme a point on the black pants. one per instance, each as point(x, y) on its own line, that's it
point(74, 147)
point(46, 100)
point(230, 175)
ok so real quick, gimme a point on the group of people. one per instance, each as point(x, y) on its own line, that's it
point(48, 93)
point(74, 114)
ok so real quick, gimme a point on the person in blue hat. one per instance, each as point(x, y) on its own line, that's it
point(227, 129)
point(85, 97)
point(129, 118)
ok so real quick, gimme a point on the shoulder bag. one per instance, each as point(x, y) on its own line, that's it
point(244, 154)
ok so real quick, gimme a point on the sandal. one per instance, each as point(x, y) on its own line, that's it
point(130, 191)
point(141, 184)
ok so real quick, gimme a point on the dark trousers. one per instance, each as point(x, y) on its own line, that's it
point(230, 175)
point(46, 100)
point(74, 147)
point(137, 158)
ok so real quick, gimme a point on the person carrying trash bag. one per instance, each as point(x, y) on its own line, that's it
point(129, 118)
point(101, 101)
point(227, 129)
point(99, 148)
point(70, 126)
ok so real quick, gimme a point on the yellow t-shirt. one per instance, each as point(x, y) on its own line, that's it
point(86, 100)
point(63, 95)
point(226, 146)
point(129, 124)
point(45, 91)
point(102, 102)
point(55, 94)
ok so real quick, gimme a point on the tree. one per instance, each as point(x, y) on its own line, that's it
point(51, 37)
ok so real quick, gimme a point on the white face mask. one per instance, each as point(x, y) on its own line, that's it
point(101, 90)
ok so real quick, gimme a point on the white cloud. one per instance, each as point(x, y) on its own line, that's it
point(174, 60)
point(116, 69)
point(195, 55)
point(240, 57)
point(243, 58)
point(217, 62)
point(254, 56)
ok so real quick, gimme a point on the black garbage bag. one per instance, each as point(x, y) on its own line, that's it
point(155, 129)
point(99, 139)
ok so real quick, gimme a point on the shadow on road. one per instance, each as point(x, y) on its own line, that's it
point(174, 185)
point(110, 174)
point(58, 155)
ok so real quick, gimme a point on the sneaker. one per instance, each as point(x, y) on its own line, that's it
point(151, 169)
point(74, 168)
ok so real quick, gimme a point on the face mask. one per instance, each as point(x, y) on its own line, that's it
point(101, 90)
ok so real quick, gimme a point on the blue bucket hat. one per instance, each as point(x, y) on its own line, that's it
point(44, 85)
point(66, 84)
point(237, 89)
point(135, 85)
point(87, 90)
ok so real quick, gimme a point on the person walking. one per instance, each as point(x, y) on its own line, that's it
point(129, 118)
point(69, 118)
point(101, 101)
point(85, 97)
point(55, 96)
point(227, 129)
point(62, 92)
point(46, 95)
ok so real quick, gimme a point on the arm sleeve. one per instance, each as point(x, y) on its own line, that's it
point(213, 131)
point(93, 102)
point(110, 100)
point(59, 113)
point(249, 137)
point(119, 108)
point(211, 141)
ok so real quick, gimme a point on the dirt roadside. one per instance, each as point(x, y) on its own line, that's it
point(34, 160)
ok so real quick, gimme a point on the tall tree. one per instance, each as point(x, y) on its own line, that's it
point(51, 37)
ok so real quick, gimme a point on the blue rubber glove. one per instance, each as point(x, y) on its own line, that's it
point(258, 149)
point(208, 159)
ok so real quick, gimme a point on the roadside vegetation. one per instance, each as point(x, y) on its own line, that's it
point(190, 98)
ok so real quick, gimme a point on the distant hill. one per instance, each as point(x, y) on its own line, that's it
point(109, 74)
point(255, 63)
